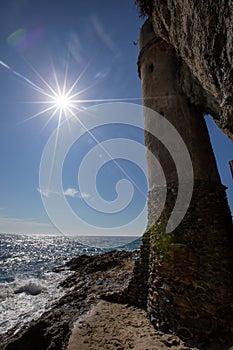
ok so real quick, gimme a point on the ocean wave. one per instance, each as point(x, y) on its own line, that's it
point(25, 299)
point(30, 288)
point(26, 289)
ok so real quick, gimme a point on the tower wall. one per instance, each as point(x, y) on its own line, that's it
point(159, 71)
point(190, 280)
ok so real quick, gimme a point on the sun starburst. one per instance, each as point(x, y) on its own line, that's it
point(62, 98)
point(62, 101)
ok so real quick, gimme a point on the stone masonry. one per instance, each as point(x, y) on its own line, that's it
point(188, 287)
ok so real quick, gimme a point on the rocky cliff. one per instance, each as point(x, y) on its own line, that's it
point(201, 33)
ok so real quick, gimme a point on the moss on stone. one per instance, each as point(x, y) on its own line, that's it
point(161, 242)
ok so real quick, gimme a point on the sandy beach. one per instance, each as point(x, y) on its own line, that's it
point(110, 326)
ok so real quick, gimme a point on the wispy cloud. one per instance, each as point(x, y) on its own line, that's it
point(76, 48)
point(46, 192)
point(72, 192)
point(102, 73)
point(101, 32)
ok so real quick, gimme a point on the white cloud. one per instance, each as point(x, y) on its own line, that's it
point(69, 192)
point(72, 192)
point(43, 192)
point(84, 195)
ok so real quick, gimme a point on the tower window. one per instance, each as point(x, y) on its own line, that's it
point(151, 67)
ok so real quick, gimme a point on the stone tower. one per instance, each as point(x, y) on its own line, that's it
point(189, 271)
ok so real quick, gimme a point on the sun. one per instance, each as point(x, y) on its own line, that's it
point(61, 98)
point(62, 102)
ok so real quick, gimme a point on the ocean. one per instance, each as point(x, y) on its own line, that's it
point(28, 286)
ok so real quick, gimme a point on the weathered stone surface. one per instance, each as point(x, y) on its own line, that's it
point(190, 271)
point(202, 34)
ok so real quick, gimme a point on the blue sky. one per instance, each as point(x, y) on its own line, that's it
point(98, 38)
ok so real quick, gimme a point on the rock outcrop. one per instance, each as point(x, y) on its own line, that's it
point(201, 33)
point(92, 277)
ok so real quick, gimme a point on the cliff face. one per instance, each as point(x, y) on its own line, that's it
point(201, 33)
